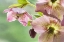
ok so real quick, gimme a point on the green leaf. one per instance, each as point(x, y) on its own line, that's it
point(22, 1)
point(40, 13)
point(25, 2)
point(15, 5)
point(37, 16)
point(29, 23)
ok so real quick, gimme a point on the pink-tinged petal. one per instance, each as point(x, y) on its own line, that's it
point(43, 20)
point(45, 8)
point(39, 24)
point(62, 2)
point(62, 22)
point(39, 29)
point(24, 19)
point(7, 10)
point(45, 37)
point(10, 17)
point(62, 29)
point(58, 12)
point(19, 10)
point(29, 16)
point(42, 1)
point(59, 37)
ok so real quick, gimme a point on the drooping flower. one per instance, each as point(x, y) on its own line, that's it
point(18, 14)
point(49, 28)
point(53, 8)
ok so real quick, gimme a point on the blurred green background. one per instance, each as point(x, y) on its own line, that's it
point(14, 31)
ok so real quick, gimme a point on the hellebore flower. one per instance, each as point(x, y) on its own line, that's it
point(18, 14)
point(53, 8)
point(49, 28)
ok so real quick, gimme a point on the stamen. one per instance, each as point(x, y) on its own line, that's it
point(53, 1)
point(51, 30)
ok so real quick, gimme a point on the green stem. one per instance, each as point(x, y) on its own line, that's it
point(31, 4)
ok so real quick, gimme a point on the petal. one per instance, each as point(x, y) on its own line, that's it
point(62, 29)
point(24, 19)
point(43, 20)
point(42, 1)
point(62, 22)
point(58, 13)
point(10, 17)
point(59, 37)
point(39, 29)
point(62, 2)
point(7, 10)
point(40, 23)
point(29, 16)
point(18, 10)
point(45, 8)
point(45, 37)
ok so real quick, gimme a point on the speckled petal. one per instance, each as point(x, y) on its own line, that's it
point(45, 37)
point(57, 13)
point(62, 29)
point(59, 37)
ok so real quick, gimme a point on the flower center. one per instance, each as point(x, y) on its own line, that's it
point(53, 1)
point(19, 15)
point(51, 30)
